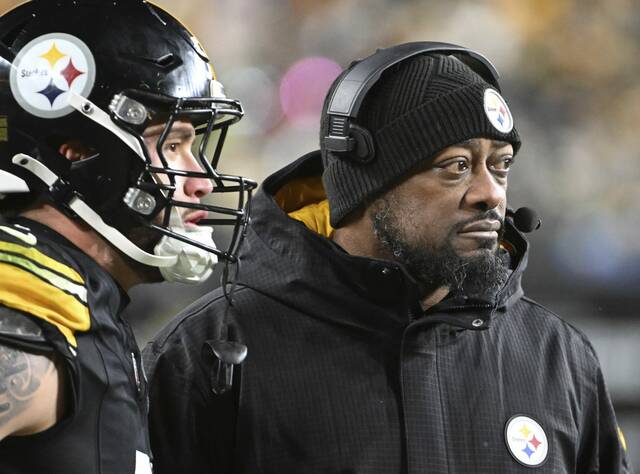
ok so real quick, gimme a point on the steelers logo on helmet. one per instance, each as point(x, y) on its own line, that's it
point(497, 111)
point(526, 440)
point(47, 69)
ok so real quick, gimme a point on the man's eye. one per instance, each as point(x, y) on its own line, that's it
point(172, 147)
point(503, 164)
point(456, 167)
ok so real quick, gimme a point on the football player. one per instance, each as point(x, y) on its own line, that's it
point(111, 127)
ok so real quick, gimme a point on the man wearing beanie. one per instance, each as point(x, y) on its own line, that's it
point(380, 299)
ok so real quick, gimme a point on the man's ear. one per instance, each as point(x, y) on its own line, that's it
point(75, 151)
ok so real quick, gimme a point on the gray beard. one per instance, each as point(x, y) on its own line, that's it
point(435, 266)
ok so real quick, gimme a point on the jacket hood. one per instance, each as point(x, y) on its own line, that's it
point(288, 253)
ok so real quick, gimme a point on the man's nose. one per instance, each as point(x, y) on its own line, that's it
point(485, 192)
point(196, 186)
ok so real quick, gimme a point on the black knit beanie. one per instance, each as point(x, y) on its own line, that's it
point(416, 109)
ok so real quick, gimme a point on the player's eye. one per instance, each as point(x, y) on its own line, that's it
point(172, 147)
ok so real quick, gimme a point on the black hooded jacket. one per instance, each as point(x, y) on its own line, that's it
point(346, 374)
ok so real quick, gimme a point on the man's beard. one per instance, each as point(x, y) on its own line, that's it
point(438, 265)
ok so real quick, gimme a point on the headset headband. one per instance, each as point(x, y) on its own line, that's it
point(350, 92)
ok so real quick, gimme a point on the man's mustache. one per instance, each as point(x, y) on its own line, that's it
point(491, 215)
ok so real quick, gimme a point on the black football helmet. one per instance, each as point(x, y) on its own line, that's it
point(102, 72)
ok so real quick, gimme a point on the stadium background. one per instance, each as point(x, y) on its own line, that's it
point(570, 69)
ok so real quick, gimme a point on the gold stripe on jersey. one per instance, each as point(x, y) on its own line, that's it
point(53, 278)
point(24, 291)
point(44, 260)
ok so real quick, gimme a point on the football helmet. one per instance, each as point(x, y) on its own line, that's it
point(102, 73)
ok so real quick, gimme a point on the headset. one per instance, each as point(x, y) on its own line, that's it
point(347, 139)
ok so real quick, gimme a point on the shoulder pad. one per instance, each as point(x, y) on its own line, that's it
point(20, 327)
point(17, 234)
point(35, 280)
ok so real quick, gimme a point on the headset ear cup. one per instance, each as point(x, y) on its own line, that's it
point(364, 150)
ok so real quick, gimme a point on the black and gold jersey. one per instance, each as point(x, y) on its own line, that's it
point(76, 305)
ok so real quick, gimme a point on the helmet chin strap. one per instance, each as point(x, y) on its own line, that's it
point(194, 265)
point(177, 261)
point(77, 205)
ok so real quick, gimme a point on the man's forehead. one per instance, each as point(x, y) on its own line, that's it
point(179, 126)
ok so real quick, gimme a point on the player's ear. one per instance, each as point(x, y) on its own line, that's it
point(74, 150)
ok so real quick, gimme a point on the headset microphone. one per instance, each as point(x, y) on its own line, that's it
point(525, 219)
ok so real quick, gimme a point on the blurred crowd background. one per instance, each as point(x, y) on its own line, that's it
point(571, 74)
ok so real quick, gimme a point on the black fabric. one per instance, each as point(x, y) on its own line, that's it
point(105, 421)
point(345, 373)
point(416, 109)
point(18, 330)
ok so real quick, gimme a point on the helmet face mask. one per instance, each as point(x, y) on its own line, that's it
point(104, 87)
point(158, 182)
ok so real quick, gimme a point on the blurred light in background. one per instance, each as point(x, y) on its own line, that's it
point(303, 88)
point(591, 249)
point(259, 96)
